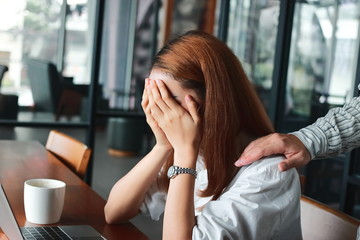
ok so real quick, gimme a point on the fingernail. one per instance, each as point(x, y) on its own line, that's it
point(151, 82)
point(158, 82)
point(238, 163)
point(283, 166)
point(188, 98)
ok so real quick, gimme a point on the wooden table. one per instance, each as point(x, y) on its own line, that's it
point(23, 160)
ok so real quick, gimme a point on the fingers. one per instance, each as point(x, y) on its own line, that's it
point(288, 145)
point(162, 103)
point(291, 162)
point(145, 105)
point(165, 96)
point(160, 94)
point(255, 150)
point(145, 99)
point(285, 165)
point(193, 108)
point(153, 107)
point(249, 158)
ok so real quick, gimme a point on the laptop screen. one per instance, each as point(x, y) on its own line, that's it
point(8, 223)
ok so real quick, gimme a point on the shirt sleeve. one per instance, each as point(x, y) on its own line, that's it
point(338, 131)
point(154, 202)
point(260, 203)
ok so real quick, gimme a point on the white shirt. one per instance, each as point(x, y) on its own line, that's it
point(260, 203)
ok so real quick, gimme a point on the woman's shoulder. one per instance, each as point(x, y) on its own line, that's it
point(265, 163)
point(264, 177)
point(266, 168)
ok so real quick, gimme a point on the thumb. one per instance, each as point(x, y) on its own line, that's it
point(286, 164)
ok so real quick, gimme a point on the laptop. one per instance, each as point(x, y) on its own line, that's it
point(11, 229)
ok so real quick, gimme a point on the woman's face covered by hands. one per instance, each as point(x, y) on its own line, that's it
point(174, 109)
point(174, 88)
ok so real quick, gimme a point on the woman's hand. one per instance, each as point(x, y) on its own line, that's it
point(181, 127)
point(160, 137)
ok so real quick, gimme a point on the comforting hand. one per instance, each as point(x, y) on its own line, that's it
point(289, 145)
point(160, 137)
point(181, 127)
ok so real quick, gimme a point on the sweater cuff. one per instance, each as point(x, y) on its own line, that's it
point(313, 139)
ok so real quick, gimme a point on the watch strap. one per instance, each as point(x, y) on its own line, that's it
point(183, 170)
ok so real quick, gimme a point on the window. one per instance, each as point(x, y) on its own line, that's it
point(37, 29)
point(252, 35)
point(30, 28)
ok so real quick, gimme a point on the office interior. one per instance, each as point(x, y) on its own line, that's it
point(79, 66)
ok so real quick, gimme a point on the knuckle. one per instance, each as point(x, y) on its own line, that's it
point(171, 118)
point(258, 150)
point(166, 97)
point(176, 116)
point(150, 104)
point(147, 111)
point(156, 97)
point(168, 117)
point(276, 136)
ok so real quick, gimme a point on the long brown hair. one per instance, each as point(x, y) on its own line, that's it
point(201, 62)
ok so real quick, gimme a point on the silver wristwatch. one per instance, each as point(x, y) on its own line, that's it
point(173, 171)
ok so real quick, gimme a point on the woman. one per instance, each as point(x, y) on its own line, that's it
point(203, 112)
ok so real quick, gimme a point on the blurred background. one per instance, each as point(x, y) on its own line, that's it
point(80, 65)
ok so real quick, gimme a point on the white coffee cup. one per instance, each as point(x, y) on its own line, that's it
point(44, 200)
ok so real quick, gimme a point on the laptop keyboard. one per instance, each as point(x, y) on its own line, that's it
point(48, 233)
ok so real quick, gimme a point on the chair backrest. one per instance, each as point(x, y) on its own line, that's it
point(319, 221)
point(45, 83)
point(3, 69)
point(72, 152)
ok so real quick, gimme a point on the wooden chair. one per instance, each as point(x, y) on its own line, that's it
point(319, 221)
point(72, 152)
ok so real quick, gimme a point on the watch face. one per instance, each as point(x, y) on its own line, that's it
point(171, 172)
